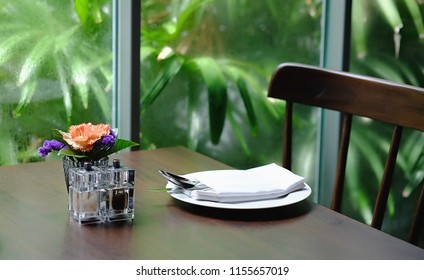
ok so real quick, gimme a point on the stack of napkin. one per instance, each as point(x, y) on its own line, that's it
point(231, 186)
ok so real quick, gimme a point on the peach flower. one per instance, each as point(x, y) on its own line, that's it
point(83, 136)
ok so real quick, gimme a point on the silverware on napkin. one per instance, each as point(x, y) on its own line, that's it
point(183, 184)
point(268, 181)
point(178, 180)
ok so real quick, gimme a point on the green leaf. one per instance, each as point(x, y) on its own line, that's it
point(381, 67)
point(10, 44)
point(69, 152)
point(57, 135)
point(162, 80)
point(101, 97)
point(190, 16)
point(217, 95)
point(241, 84)
point(121, 144)
point(88, 11)
point(415, 12)
point(34, 60)
point(242, 79)
point(80, 74)
point(64, 86)
point(391, 13)
point(27, 92)
point(238, 133)
point(359, 30)
point(145, 52)
point(81, 7)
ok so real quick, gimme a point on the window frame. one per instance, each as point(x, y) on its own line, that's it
point(126, 68)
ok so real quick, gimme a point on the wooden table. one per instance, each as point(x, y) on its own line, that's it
point(35, 224)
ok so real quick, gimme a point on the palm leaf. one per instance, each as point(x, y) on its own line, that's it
point(238, 133)
point(241, 79)
point(391, 13)
point(359, 30)
point(217, 95)
point(82, 9)
point(34, 59)
point(80, 75)
point(162, 80)
point(64, 87)
point(415, 12)
point(241, 84)
point(27, 92)
point(8, 45)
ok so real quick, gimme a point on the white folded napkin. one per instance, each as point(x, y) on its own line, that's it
point(259, 183)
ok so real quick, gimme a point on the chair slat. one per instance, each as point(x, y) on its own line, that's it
point(386, 182)
point(287, 149)
point(336, 203)
point(418, 220)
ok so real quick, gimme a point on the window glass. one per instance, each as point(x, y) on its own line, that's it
point(387, 42)
point(205, 69)
point(55, 70)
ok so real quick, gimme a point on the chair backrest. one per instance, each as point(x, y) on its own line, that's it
point(353, 95)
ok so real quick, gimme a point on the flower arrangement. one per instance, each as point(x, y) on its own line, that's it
point(85, 141)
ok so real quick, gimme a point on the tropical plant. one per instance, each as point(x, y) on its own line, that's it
point(55, 69)
point(201, 63)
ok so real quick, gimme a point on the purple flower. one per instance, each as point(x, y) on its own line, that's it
point(43, 152)
point(53, 144)
point(107, 141)
point(48, 146)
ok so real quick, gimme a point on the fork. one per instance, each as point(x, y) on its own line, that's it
point(180, 181)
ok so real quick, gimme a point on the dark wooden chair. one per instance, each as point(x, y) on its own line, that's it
point(353, 95)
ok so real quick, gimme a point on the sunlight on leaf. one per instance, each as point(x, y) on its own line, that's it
point(80, 74)
point(165, 53)
point(391, 13)
point(82, 9)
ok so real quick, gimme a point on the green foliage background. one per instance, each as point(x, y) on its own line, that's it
point(55, 70)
